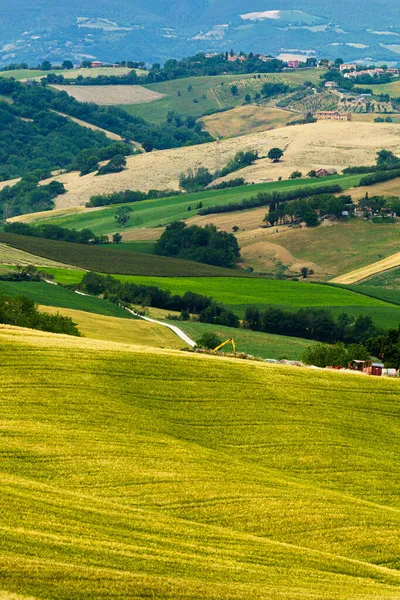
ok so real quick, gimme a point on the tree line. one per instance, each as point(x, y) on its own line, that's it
point(195, 180)
point(55, 232)
point(207, 309)
point(267, 198)
point(129, 196)
point(312, 323)
point(193, 66)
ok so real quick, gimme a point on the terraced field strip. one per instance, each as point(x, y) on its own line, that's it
point(365, 272)
point(131, 472)
point(13, 256)
point(109, 134)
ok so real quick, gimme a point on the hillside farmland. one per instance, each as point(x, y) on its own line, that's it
point(110, 95)
point(323, 144)
point(159, 472)
point(198, 96)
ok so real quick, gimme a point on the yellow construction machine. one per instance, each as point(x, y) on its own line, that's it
point(230, 341)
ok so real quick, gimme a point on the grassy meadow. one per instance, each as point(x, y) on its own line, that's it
point(262, 345)
point(158, 212)
point(388, 279)
point(393, 89)
point(211, 93)
point(238, 294)
point(339, 248)
point(247, 119)
point(133, 474)
point(113, 329)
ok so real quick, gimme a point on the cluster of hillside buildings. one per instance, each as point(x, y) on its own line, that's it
point(350, 71)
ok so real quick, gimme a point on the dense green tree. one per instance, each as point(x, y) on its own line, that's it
point(122, 215)
point(275, 154)
point(208, 340)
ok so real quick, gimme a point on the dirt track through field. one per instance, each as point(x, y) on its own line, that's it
point(360, 274)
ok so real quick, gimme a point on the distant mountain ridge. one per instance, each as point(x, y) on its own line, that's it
point(155, 30)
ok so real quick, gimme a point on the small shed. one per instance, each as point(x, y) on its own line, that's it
point(375, 369)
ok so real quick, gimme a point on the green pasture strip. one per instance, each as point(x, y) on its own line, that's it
point(263, 345)
point(386, 295)
point(159, 212)
point(99, 258)
point(179, 477)
point(388, 279)
point(253, 291)
point(238, 294)
point(53, 295)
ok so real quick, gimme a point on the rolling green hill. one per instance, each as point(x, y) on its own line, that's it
point(152, 213)
point(158, 475)
point(100, 258)
point(210, 94)
point(238, 294)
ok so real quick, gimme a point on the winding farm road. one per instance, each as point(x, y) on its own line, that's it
point(173, 328)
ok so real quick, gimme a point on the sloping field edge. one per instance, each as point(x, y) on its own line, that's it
point(121, 262)
point(358, 275)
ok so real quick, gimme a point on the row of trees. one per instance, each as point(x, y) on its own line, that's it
point(201, 244)
point(55, 232)
point(129, 196)
point(269, 198)
point(386, 346)
point(312, 323)
point(192, 66)
point(308, 210)
point(207, 309)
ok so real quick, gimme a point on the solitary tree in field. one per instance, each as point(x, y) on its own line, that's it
point(46, 65)
point(234, 90)
point(116, 238)
point(275, 154)
point(67, 64)
point(122, 215)
point(304, 271)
